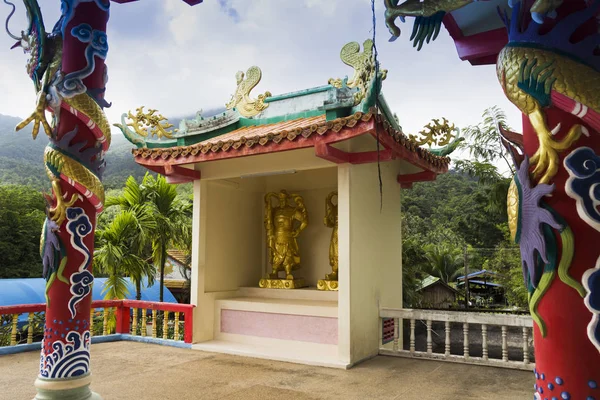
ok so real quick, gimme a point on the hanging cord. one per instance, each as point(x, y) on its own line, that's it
point(377, 90)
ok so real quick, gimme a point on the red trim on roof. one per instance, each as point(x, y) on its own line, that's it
point(404, 153)
point(327, 152)
point(177, 174)
point(271, 147)
point(479, 49)
point(303, 135)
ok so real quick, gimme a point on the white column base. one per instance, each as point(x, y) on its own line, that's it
point(65, 389)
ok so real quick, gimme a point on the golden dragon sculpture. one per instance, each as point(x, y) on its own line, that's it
point(532, 77)
point(241, 100)
point(536, 77)
point(429, 15)
point(75, 164)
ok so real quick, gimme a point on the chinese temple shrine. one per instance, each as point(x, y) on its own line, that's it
point(296, 251)
point(336, 159)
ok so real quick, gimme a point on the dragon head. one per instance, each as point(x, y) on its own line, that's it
point(31, 40)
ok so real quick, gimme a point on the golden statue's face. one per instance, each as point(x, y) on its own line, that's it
point(283, 199)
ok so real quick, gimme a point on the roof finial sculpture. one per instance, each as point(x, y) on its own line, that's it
point(145, 124)
point(241, 100)
point(436, 133)
point(364, 68)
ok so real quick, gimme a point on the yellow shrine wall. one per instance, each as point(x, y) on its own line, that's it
point(370, 255)
point(233, 239)
point(229, 249)
point(229, 246)
point(226, 242)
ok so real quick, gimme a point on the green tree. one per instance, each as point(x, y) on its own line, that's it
point(484, 143)
point(443, 261)
point(506, 260)
point(118, 250)
point(412, 259)
point(171, 216)
point(22, 214)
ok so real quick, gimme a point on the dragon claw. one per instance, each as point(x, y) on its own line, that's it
point(546, 158)
point(37, 117)
point(58, 213)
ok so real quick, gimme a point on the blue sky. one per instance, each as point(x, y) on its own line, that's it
point(178, 59)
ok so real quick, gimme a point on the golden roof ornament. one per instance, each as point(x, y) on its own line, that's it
point(145, 124)
point(364, 68)
point(150, 123)
point(241, 100)
point(436, 133)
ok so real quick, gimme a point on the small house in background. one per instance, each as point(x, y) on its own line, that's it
point(436, 293)
point(175, 275)
point(483, 289)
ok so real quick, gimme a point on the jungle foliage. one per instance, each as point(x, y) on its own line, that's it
point(151, 218)
point(461, 217)
point(21, 158)
point(22, 213)
point(462, 210)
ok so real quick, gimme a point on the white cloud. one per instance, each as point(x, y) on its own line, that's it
point(185, 58)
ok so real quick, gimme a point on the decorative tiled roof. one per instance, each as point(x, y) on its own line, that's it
point(178, 255)
point(176, 284)
point(432, 280)
point(288, 131)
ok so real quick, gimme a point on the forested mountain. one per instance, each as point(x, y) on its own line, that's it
point(21, 217)
point(458, 214)
point(450, 222)
point(454, 207)
point(21, 156)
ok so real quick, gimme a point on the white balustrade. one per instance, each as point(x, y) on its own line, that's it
point(499, 332)
point(504, 344)
point(396, 330)
point(412, 335)
point(466, 339)
point(484, 345)
point(429, 343)
point(447, 342)
point(525, 345)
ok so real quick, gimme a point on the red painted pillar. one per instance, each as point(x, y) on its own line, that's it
point(551, 71)
point(123, 318)
point(188, 333)
point(74, 164)
point(567, 357)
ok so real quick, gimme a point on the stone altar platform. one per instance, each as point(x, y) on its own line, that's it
point(287, 325)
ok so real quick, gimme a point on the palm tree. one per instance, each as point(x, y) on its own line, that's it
point(486, 150)
point(171, 216)
point(484, 139)
point(443, 261)
point(118, 246)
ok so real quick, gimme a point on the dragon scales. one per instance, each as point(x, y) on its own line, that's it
point(550, 69)
point(69, 75)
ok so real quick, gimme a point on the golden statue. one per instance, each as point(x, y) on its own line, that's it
point(331, 221)
point(283, 224)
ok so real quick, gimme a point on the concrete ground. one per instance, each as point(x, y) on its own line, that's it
point(128, 370)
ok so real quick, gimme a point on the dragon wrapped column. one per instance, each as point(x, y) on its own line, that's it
point(80, 136)
point(550, 69)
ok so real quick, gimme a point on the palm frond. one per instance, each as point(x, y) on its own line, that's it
point(115, 288)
